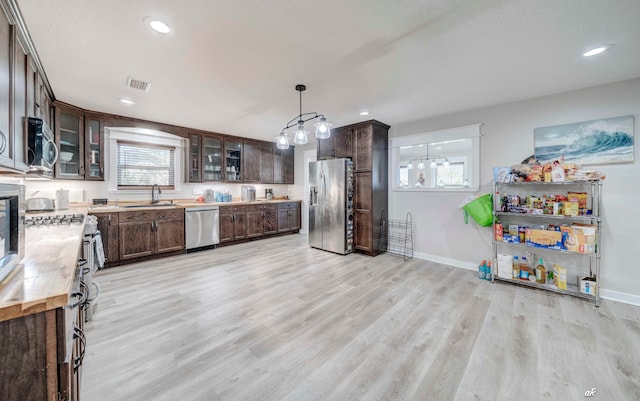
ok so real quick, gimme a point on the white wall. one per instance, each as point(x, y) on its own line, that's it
point(440, 232)
point(507, 139)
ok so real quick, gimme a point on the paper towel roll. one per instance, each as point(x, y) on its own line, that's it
point(62, 199)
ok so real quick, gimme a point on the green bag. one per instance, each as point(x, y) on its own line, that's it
point(480, 209)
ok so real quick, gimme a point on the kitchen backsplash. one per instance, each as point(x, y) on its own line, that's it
point(80, 191)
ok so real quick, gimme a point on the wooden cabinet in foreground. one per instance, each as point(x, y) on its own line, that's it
point(150, 232)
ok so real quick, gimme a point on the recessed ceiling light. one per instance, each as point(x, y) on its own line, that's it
point(157, 25)
point(126, 101)
point(595, 51)
point(364, 113)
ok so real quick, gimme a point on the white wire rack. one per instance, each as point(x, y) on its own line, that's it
point(400, 237)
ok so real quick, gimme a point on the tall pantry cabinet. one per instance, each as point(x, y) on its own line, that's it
point(366, 144)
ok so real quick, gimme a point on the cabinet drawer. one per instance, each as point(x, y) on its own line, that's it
point(260, 208)
point(232, 209)
point(288, 205)
point(142, 215)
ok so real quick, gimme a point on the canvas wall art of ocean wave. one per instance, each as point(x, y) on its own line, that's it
point(603, 141)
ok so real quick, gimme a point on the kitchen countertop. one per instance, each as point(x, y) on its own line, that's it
point(44, 279)
point(177, 204)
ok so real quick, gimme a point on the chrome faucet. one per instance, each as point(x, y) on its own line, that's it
point(154, 198)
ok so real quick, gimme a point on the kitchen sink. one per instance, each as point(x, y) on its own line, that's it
point(149, 205)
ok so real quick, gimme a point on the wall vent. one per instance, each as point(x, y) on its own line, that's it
point(136, 84)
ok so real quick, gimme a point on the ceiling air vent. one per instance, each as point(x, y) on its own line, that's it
point(136, 84)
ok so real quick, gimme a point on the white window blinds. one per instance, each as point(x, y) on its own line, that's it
point(141, 165)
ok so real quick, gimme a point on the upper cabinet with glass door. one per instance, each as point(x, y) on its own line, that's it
point(233, 160)
point(94, 155)
point(447, 160)
point(70, 139)
point(212, 154)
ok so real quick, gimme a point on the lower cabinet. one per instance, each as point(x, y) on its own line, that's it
point(109, 232)
point(150, 232)
point(241, 223)
point(233, 223)
point(261, 220)
point(41, 354)
point(288, 216)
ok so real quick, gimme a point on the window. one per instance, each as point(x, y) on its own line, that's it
point(141, 165)
point(139, 158)
point(447, 160)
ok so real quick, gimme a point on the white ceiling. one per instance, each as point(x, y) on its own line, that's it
point(231, 66)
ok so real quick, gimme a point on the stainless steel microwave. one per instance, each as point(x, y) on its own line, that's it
point(12, 209)
point(42, 152)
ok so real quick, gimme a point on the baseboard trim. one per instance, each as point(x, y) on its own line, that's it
point(618, 296)
point(611, 295)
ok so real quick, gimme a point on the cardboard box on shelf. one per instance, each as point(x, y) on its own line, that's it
point(570, 208)
point(543, 238)
point(581, 238)
point(587, 285)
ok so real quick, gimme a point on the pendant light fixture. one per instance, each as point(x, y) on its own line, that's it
point(410, 165)
point(446, 162)
point(433, 163)
point(301, 134)
point(421, 165)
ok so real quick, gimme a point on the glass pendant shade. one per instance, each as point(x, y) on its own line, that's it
point(301, 135)
point(446, 163)
point(410, 166)
point(433, 164)
point(420, 165)
point(323, 128)
point(282, 141)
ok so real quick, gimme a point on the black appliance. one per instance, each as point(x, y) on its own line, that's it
point(42, 152)
point(11, 227)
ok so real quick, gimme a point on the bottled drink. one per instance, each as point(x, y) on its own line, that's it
point(541, 272)
point(524, 269)
point(487, 271)
point(482, 269)
point(516, 268)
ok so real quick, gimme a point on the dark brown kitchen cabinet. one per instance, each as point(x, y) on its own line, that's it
point(266, 162)
point(338, 145)
point(41, 354)
point(288, 216)
point(6, 47)
point(233, 160)
point(69, 135)
point(212, 159)
point(109, 233)
point(94, 148)
point(283, 166)
point(366, 144)
point(251, 161)
point(150, 232)
point(261, 220)
point(195, 158)
point(233, 223)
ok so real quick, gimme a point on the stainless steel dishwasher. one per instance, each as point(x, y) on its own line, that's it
point(201, 226)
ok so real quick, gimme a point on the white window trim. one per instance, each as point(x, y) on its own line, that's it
point(142, 135)
point(469, 131)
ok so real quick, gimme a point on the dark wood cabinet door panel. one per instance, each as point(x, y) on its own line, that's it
point(251, 161)
point(294, 219)
point(363, 231)
point(343, 143)
point(108, 227)
point(226, 227)
point(136, 239)
point(363, 191)
point(240, 225)
point(169, 235)
point(363, 151)
point(254, 223)
point(270, 220)
point(325, 148)
point(266, 163)
point(283, 220)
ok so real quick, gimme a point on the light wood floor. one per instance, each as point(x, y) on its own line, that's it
point(277, 320)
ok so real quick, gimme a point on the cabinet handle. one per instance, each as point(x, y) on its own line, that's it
point(79, 334)
point(109, 218)
point(81, 171)
point(3, 147)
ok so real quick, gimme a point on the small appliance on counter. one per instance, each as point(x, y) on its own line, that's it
point(268, 194)
point(248, 193)
point(209, 195)
point(62, 199)
point(40, 205)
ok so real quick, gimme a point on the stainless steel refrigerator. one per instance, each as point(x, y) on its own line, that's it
point(331, 205)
